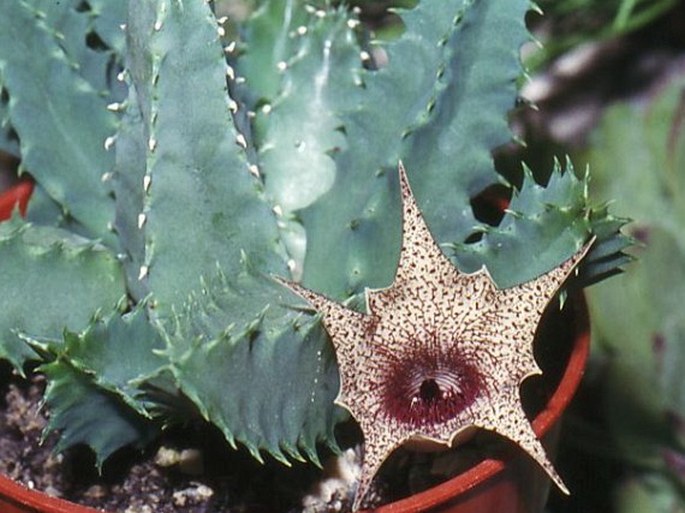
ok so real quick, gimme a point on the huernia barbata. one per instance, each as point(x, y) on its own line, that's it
point(439, 352)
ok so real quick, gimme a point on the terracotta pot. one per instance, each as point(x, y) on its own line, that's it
point(17, 194)
point(15, 498)
point(513, 484)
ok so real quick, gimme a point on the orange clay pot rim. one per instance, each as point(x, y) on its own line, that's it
point(15, 196)
point(543, 422)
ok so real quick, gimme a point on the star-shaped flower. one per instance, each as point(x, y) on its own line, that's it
point(439, 352)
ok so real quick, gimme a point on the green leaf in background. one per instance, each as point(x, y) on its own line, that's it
point(650, 493)
point(575, 23)
point(637, 155)
point(61, 120)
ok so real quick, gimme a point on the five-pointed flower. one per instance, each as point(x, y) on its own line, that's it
point(439, 352)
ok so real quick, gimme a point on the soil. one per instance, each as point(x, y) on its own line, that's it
point(170, 477)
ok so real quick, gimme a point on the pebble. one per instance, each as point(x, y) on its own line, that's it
point(193, 495)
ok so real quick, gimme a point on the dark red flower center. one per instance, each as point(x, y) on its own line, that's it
point(429, 385)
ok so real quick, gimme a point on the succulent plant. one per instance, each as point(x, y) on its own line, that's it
point(183, 160)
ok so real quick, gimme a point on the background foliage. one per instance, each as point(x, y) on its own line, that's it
point(610, 90)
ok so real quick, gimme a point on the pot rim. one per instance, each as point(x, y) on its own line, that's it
point(15, 196)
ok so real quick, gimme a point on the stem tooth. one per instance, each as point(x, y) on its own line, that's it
point(242, 142)
point(254, 170)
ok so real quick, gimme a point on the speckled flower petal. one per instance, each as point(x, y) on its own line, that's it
point(439, 352)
